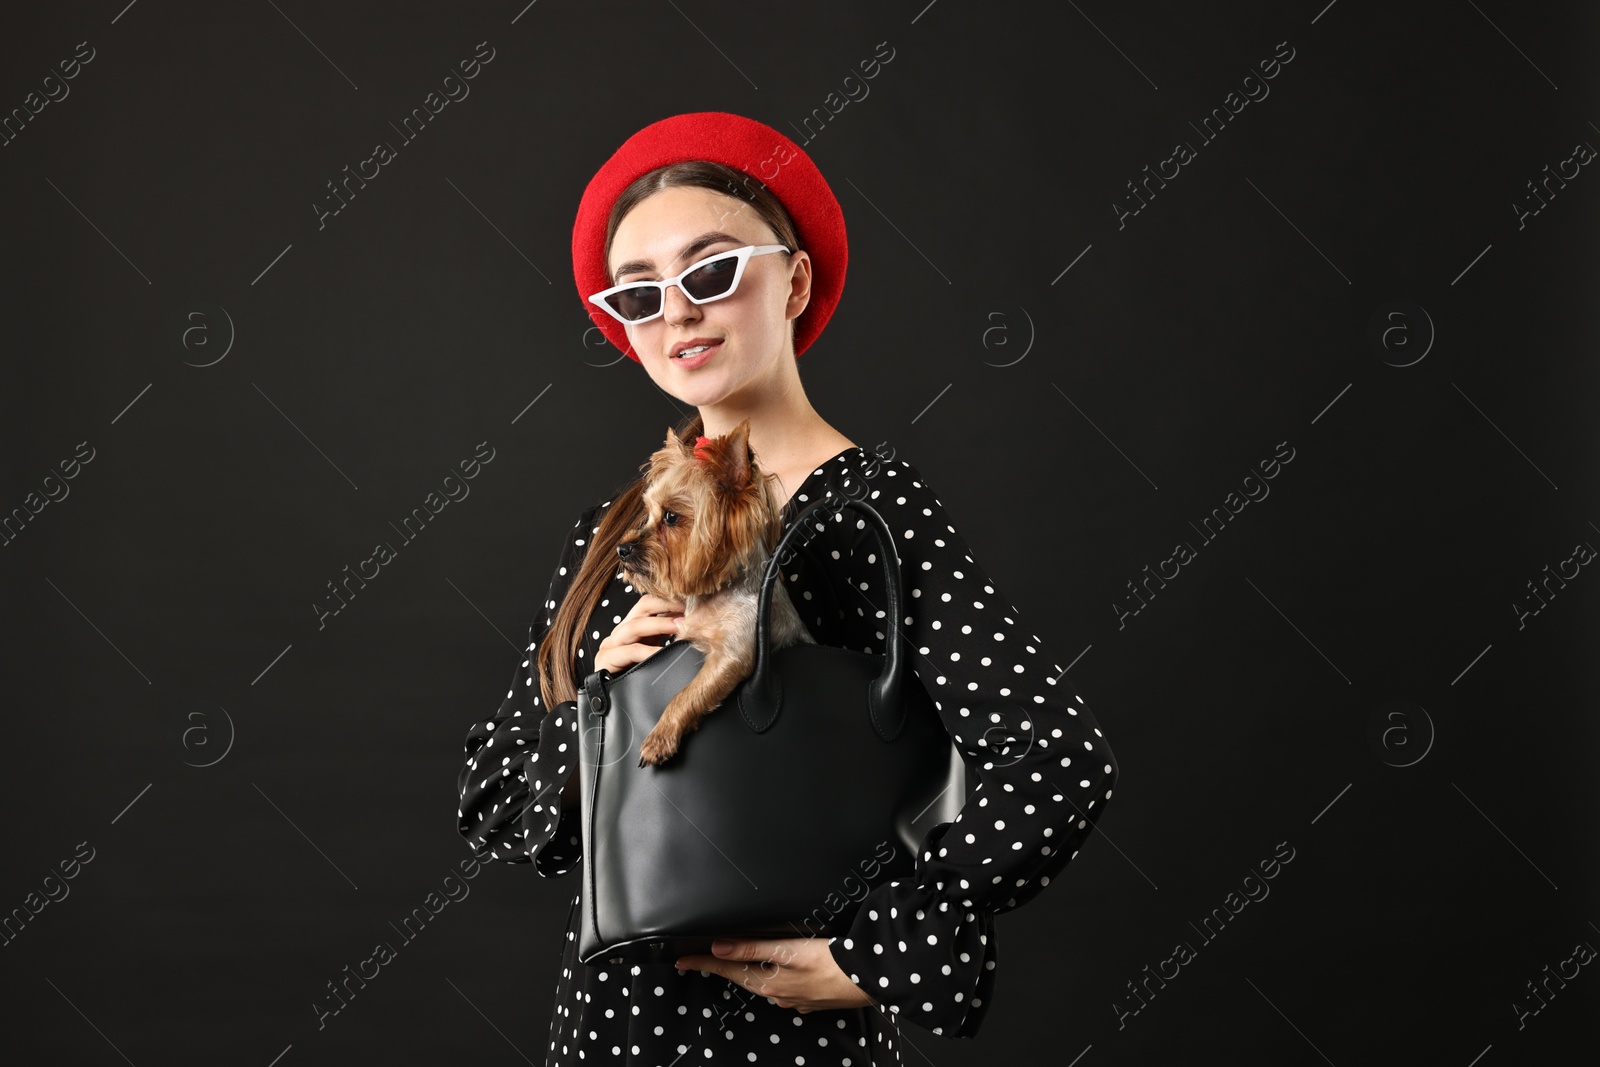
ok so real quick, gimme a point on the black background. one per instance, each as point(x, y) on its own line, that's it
point(1074, 421)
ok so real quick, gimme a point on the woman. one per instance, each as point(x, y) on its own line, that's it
point(682, 192)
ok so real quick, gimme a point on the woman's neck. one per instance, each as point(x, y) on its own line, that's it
point(787, 435)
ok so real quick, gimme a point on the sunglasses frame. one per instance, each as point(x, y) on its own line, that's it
point(744, 253)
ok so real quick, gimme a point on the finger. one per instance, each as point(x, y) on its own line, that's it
point(660, 605)
point(646, 630)
point(650, 604)
point(617, 657)
point(632, 643)
point(655, 624)
point(641, 630)
point(633, 653)
point(753, 977)
point(759, 949)
point(698, 963)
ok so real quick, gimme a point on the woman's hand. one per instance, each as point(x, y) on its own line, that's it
point(639, 635)
point(794, 972)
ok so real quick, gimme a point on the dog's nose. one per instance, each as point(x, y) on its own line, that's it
point(624, 549)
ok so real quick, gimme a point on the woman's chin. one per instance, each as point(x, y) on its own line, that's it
point(699, 388)
point(714, 382)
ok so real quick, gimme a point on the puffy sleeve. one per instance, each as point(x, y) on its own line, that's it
point(924, 946)
point(501, 816)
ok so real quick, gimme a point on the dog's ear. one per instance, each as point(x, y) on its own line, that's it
point(673, 440)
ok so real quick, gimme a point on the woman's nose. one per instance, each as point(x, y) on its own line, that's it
point(675, 307)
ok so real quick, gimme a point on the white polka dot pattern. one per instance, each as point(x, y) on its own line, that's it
point(500, 815)
point(923, 946)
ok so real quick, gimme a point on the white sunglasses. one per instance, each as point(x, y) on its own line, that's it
point(706, 280)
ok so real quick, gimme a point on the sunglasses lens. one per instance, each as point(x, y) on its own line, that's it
point(713, 279)
point(635, 304)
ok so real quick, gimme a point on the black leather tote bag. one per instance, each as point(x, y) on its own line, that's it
point(813, 782)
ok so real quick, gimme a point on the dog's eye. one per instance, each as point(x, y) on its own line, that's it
point(669, 518)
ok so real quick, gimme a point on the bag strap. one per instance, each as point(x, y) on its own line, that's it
point(883, 694)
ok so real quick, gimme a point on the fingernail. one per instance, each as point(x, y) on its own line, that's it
point(677, 622)
point(720, 945)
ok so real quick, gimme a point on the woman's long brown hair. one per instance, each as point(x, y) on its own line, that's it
point(558, 680)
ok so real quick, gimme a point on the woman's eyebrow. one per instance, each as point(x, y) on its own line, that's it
point(710, 237)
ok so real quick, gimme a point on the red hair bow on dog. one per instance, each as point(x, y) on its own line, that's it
point(702, 447)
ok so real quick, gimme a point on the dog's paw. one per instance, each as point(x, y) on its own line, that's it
point(656, 749)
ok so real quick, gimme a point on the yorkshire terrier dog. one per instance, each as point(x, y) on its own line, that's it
point(710, 527)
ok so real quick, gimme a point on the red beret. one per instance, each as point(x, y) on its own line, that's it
point(756, 149)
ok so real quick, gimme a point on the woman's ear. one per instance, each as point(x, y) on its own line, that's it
point(799, 285)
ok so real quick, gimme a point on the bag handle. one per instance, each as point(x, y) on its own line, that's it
point(883, 694)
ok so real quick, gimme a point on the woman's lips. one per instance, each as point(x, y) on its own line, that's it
point(691, 362)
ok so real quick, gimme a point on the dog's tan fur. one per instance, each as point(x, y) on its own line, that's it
point(708, 534)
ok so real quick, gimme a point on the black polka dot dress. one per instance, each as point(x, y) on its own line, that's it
point(923, 947)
